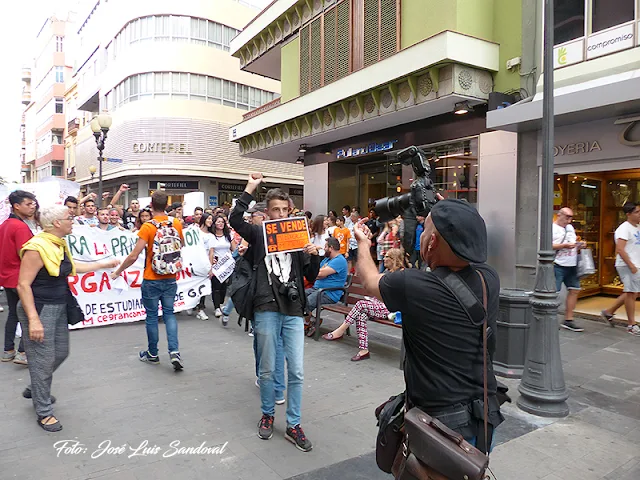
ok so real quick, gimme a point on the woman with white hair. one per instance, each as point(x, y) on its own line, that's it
point(44, 294)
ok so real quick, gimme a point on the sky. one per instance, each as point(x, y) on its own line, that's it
point(27, 17)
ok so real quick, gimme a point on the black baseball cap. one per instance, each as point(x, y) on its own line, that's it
point(460, 224)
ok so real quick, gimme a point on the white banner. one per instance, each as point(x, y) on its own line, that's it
point(223, 268)
point(106, 302)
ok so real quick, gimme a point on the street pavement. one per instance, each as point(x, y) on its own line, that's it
point(106, 397)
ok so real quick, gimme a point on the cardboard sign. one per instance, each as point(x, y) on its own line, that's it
point(224, 267)
point(285, 235)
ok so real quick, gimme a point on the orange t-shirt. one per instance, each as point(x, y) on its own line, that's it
point(147, 233)
point(343, 235)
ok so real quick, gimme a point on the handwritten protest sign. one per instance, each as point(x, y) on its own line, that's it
point(223, 268)
point(106, 302)
point(285, 235)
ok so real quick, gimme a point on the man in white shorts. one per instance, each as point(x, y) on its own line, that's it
point(627, 239)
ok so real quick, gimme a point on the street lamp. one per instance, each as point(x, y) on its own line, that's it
point(542, 389)
point(100, 125)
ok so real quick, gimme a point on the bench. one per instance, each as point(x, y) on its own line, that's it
point(352, 292)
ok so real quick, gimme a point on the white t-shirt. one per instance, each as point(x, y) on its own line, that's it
point(631, 234)
point(330, 231)
point(221, 246)
point(320, 241)
point(567, 257)
point(206, 239)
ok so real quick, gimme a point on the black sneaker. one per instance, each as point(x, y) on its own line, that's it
point(176, 361)
point(608, 318)
point(145, 356)
point(296, 436)
point(571, 325)
point(265, 427)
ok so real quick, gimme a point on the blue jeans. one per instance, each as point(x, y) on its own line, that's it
point(268, 327)
point(164, 292)
point(228, 308)
point(278, 381)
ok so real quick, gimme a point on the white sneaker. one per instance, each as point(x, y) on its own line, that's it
point(633, 330)
point(258, 382)
point(1, 308)
point(202, 316)
point(250, 332)
point(218, 313)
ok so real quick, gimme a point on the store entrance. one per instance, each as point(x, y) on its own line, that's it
point(596, 199)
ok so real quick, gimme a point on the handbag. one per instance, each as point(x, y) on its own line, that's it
point(431, 450)
point(74, 312)
point(243, 286)
point(390, 417)
point(586, 265)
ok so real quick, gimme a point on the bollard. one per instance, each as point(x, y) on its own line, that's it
point(513, 332)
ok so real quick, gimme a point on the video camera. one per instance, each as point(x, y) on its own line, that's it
point(417, 202)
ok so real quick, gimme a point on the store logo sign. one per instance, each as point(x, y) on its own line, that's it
point(624, 137)
point(371, 148)
point(576, 148)
point(611, 41)
point(161, 148)
point(568, 54)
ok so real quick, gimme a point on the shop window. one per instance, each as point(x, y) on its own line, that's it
point(609, 13)
point(569, 20)
point(456, 169)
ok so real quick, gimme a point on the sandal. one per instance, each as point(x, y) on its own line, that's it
point(48, 426)
point(330, 337)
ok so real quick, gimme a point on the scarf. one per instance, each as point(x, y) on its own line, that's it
point(52, 250)
point(280, 265)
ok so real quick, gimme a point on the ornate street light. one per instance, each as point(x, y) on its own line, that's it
point(542, 389)
point(100, 125)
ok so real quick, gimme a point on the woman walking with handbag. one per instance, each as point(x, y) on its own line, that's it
point(44, 300)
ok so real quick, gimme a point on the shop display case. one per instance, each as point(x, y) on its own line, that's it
point(583, 197)
point(618, 192)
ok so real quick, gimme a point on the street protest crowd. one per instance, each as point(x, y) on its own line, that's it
point(80, 265)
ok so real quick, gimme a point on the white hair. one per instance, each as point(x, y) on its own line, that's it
point(49, 214)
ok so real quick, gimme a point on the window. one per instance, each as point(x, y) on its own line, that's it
point(59, 74)
point(609, 13)
point(59, 43)
point(180, 28)
point(59, 105)
point(163, 27)
point(569, 20)
point(56, 170)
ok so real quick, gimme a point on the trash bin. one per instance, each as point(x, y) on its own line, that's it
point(513, 332)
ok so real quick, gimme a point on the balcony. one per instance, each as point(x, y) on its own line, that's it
point(264, 108)
point(72, 126)
point(26, 98)
point(26, 74)
point(56, 154)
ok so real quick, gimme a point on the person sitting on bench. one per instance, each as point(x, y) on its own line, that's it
point(333, 273)
point(368, 308)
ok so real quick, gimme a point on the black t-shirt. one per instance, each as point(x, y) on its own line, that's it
point(444, 363)
point(48, 290)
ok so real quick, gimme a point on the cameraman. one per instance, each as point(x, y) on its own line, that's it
point(279, 304)
point(444, 350)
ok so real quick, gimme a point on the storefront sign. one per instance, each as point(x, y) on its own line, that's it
point(231, 187)
point(568, 54)
point(371, 148)
point(161, 148)
point(285, 235)
point(153, 185)
point(576, 148)
point(610, 41)
point(213, 201)
point(296, 191)
point(625, 135)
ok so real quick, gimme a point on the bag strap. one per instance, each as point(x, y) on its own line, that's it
point(484, 360)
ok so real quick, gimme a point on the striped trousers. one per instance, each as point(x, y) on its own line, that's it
point(46, 356)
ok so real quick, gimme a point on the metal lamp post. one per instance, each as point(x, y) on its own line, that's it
point(100, 125)
point(542, 389)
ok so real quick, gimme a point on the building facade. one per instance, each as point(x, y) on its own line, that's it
point(43, 95)
point(597, 135)
point(163, 71)
point(362, 79)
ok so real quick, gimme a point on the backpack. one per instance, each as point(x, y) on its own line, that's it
point(243, 284)
point(166, 258)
